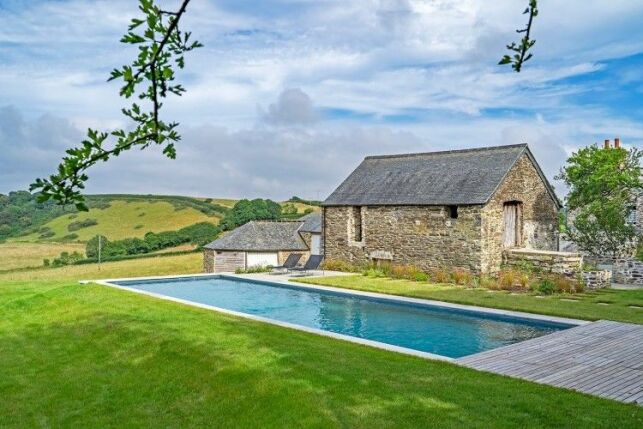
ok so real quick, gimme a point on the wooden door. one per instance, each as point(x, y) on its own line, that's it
point(512, 225)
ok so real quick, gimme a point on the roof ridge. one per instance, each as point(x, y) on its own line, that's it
point(444, 152)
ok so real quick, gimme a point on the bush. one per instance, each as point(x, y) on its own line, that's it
point(507, 279)
point(46, 262)
point(487, 282)
point(440, 276)
point(545, 286)
point(80, 224)
point(70, 237)
point(47, 234)
point(421, 277)
point(374, 272)
point(639, 249)
point(524, 281)
point(67, 258)
point(252, 270)
point(406, 272)
point(339, 265)
point(461, 277)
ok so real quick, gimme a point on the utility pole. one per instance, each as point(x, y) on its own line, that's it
point(100, 242)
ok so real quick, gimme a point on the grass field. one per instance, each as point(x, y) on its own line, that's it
point(159, 265)
point(22, 255)
point(91, 356)
point(619, 305)
point(126, 219)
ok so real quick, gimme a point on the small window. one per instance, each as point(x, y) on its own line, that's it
point(453, 212)
point(357, 224)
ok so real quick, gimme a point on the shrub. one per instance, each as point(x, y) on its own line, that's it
point(139, 226)
point(80, 224)
point(47, 234)
point(567, 285)
point(523, 280)
point(487, 282)
point(440, 276)
point(339, 265)
point(639, 249)
point(545, 286)
point(374, 272)
point(70, 237)
point(253, 270)
point(421, 277)
point(67, 258)
point(407, 272)
point(46, 262)
point(461, 277)
point(507, 279)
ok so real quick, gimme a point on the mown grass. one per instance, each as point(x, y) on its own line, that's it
point(125, 220)
point(92, 356)
point(23, 255)
point(619, 305)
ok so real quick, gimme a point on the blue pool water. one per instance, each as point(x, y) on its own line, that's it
point(433, 329)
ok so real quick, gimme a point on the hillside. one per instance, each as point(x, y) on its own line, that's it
point(121, 219)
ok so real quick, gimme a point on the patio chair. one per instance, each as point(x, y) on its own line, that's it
point(312, 263)
point(291, 262)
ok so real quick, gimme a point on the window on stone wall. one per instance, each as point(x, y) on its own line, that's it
point(357, 223)
point(453, 212)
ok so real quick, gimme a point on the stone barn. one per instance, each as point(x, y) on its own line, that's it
point(460, 208)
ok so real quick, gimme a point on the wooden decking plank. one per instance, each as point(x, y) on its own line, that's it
point(602, 358)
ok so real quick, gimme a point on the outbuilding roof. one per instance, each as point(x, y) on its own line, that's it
point(262, 236)
point(457, 177)
point(312, 223)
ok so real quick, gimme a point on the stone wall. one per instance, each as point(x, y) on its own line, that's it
point(539, 214)
point(627, 271)
point(283, 255)
point(222, 261)
point(566, 263)
point(638, 216)
point(208, 260)
point(421, 235)
point(597, 279)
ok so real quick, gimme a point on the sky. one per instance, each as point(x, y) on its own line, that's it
point(288, 96)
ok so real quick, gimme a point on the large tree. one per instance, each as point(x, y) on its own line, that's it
point(161, 49)
point(603, 186)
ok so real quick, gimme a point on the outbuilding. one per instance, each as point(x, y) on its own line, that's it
point(263, 243)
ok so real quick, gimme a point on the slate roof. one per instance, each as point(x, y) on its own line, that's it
point(262, 236)
point(312, 223)
point(458, 177)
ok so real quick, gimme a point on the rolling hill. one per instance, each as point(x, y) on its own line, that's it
point(116, 217)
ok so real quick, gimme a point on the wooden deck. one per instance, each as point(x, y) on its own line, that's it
point(603, 358)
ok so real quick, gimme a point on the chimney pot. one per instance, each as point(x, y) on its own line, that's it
point(617, 142)
point(607, 144)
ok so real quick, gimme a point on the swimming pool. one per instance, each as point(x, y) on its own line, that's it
point(434, 329)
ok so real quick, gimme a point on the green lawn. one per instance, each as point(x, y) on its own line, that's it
point(92, 356)
point(619, 305)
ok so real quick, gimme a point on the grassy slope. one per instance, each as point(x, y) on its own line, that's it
point(19, 255)
point(122, 218)
point(159, 265)
point(91, 356)
point(588, 306)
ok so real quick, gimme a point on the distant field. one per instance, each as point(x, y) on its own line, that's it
point(22, 255)
point(126, 219)
point(152, 266)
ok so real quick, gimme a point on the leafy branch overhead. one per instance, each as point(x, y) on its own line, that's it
point(151, 78)
point(521, 49)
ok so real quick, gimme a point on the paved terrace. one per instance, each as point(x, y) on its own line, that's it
point(603, 358)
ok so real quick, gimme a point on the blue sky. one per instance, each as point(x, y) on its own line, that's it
point(288, 96)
